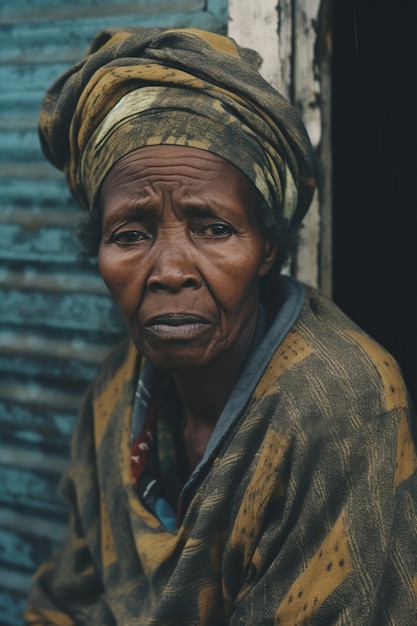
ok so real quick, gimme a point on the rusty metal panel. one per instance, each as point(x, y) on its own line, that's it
point(56, 318)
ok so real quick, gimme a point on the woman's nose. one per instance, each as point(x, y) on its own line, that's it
point(173, 270)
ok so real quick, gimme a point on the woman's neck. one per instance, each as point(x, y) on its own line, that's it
point(203, 394)
point(203, 399)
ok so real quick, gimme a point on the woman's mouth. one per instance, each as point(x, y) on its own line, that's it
point(177, 326)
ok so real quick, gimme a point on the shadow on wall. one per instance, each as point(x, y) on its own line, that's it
point(374, 144)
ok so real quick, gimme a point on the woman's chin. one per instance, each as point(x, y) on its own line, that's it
point(176, 352)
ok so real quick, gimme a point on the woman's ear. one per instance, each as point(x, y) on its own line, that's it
point(269, 257)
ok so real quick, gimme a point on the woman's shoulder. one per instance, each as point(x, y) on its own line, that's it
point(326, 361)
point(122, 353)
point(333, 334)
point(119, 368)
point(113, 386)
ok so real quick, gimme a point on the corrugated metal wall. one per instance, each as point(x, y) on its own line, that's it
point(56, 320)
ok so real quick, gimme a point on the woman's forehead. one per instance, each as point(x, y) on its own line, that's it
point(189, 169)
point(190, 179)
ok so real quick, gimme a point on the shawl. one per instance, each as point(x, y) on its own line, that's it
point(138, 87)
point(307, 513)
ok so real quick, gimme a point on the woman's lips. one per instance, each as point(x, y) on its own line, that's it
point(177, 325)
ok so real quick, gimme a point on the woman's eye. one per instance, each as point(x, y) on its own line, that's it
point(216, 230)
point(128, 237)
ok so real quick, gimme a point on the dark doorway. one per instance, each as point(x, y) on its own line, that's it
point(374, 152)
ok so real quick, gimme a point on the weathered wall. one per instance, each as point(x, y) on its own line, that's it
point(293, 39)
point(56, 320)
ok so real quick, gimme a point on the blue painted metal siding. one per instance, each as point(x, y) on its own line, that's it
point(56, 319)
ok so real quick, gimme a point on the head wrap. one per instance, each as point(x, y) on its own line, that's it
point(137, 87)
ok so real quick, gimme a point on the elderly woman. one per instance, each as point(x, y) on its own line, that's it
point(245, 458)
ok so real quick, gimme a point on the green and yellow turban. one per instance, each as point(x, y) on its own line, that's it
point(138, 87)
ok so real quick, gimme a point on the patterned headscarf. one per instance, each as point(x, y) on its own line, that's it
point(137, 87)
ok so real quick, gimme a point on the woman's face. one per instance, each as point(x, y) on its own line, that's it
point(182, 254)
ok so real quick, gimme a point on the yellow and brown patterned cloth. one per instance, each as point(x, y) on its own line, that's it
point(307, 514)
point(138, 87)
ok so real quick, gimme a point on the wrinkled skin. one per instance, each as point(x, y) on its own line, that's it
point(182, 254)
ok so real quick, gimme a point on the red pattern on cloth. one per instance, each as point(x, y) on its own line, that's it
point(143, 445)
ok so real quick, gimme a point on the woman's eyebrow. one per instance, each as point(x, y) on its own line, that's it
point(139, 207)
point(198, 211)
point(125, 213)
point(201, 208)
